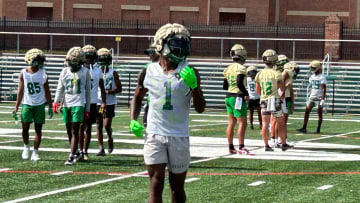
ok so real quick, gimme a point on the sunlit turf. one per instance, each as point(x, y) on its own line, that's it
point(209, 188)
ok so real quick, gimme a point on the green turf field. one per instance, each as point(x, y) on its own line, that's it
point(296, 175)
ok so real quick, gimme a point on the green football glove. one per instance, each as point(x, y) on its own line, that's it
point(189, 77)
point(50, 112)
point(136, 128)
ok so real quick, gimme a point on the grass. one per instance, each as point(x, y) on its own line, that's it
point(218, 179)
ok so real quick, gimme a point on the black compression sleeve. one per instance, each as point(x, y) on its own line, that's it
point(240, 84)
point(225, 84)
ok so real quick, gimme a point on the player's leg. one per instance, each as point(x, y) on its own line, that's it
point(110, 113)
point(157, 177)
point(100, 135)
point(308, 109)
point(251, 113)
point(320, 115)
point(179, 161)
point(35, 155)
point(66, 117)
point(231, 123)
point(265, 130)
point(27, 117)
point(273, 131)
point(82, 137)
point(241, 117)
point(259, 116)
point(77, 117)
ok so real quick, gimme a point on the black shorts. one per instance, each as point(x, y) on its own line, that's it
point(93, 113)
point(254, 104)
point(109, 111)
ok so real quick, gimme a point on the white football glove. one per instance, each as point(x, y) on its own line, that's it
point(322, 103)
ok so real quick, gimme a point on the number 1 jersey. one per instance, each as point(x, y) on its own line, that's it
point(169, 105)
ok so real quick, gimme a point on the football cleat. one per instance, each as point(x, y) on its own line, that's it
point(101, 153)
point(35, 157)
point(71, 160)
point(232, 151)
point(268, 149)
point(26, 153)
point(302, 130)
point(285, 147)
point(86, 156)
point(110, 145)
point(244, 151)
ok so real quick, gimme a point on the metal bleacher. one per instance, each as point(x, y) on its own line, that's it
point(347, 85)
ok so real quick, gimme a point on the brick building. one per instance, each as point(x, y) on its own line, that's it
point(210, 12)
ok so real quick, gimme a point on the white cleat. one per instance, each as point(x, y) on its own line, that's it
point(26, 153)
point(35, 157)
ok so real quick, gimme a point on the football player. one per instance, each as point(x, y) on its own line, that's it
point(112, 87)
point(317, 95)
point(96, 83)
point(268, 81)
point(74, 87)
point(236, 97)
point(33, 94)
point(172, 84)
point(254, 98)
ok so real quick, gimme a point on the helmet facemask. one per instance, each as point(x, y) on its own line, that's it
point(104, 61)
point(280, 65)
point(176, 48)
point(90, 58)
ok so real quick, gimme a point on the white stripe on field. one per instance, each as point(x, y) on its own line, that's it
point(5, 169)
point(325, 187)
point(10, 141)
point(73, 188)
point(330, 136)
point(189, 180)
point(61, 173)
point(256, 183)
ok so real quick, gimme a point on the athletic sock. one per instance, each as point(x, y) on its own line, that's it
point(35, 151)
point(231, 146)
point(26, 146)
point(241, 146)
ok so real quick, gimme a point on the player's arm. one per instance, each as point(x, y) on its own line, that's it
point(59, 94)
point(140, 92)
point(225, 84)
point(292, 96)
point(323, 87)
point(88, 91)
point(258, 88)
point(285, 76)
point(197, 95)
point(240, 84)
point(47, 93)
point(20, 93)
point(118, 88)
point(281, 85)
point(102, 92)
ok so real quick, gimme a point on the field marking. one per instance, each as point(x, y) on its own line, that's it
point(145, 174)
point(72, 188)
point(189, 180)
point(257, 183)
point(325, 187)
point(61, 173)
point(329, 136)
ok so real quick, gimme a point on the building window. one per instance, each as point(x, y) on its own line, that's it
point(232, 18)
point(37, 13)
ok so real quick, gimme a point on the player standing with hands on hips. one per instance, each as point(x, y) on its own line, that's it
point(33, 94)
point(171, 85)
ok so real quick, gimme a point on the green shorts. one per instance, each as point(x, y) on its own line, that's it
point(230, 107)
point(73, 114)
point(34, 114)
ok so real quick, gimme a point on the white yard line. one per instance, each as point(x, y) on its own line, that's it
point(61, 173)
point(257, 183)
point(329, 136)
point(10, 141)
point(5, 169)
point(325, 187)
point(189, 180)
point(73, 188)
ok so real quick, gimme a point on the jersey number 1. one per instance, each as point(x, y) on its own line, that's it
point(167, 105)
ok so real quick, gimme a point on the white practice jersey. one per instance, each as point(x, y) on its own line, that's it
point(96, 76)
point(316, 81)
point(109, 84)
point(34, 92)
point(251, 87)
point(169, 106)
point(76, 87)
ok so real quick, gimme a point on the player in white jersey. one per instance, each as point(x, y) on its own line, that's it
point(317, 95)
point(74, 87)
point(171, 85)
point(254, 98)
point(112, 87)
point(97, 86)
point(154, 57)
point(33, 94)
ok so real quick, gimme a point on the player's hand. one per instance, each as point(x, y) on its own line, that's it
point(50, 112)
point(55, 107)
point(15, 110)
point(136, 128)
point(247, 98)
point(86, 116)
point(189, 77)
point(322, 103)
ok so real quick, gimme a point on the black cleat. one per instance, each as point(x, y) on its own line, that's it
point(302, 130)
point(110, 145)
point(101, 153)
point(268, 149)
point(285, 147)
point(71, 161)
